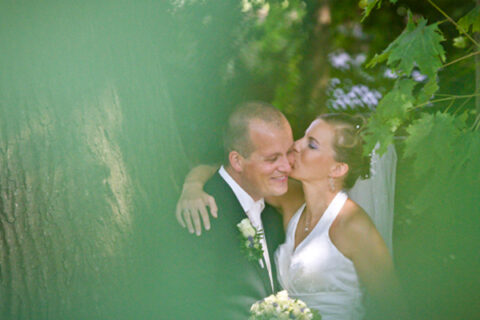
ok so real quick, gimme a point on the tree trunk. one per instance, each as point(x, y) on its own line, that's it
point(88, 152)
point(477, 73)
point(316, 68)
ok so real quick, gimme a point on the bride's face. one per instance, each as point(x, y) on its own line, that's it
point(314, 154)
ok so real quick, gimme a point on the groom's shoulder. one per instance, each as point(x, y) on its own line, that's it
point(218, 188)
point(214, 182)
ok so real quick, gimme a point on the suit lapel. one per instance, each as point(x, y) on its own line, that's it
point(231, 209)
point(274, 235)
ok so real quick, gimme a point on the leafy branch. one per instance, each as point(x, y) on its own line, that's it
point(454, 23)
point(451, 97)
point(418, 46)
point(461, 58)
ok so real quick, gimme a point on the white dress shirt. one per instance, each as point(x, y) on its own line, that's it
point(253, 210)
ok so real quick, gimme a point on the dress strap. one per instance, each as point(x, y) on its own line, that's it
point(292, 224)
point(334, 207)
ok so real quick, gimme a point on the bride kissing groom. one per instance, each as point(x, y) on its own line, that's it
point(331, 253)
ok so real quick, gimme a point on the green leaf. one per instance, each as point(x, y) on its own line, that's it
point(391, 113)
point(427, 92)
point(368, 6)
point(378, 131)
point(417, 45)
point(460, 42)
point(433, 136)
point(378, 58)
point(397, 102)
point(445, 157)
point(471, 20)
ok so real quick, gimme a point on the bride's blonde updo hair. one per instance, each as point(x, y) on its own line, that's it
point(348, 145)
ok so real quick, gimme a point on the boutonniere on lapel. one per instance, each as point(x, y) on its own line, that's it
point(250, 240)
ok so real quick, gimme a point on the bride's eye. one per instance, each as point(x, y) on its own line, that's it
point(312, 145)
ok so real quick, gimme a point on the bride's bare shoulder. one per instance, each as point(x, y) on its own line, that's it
point(351, 227)
point(352, 215)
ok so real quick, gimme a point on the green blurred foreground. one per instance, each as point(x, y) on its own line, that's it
point(89, 152)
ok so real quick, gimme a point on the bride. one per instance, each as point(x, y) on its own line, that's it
point(333, 252)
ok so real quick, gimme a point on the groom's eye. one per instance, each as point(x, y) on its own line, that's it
point(272, 159)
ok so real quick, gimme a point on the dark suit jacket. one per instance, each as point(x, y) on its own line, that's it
point(227, 284)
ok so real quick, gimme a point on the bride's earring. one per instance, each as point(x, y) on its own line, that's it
point(331, 183)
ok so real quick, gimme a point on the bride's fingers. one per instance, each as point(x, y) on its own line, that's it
point(178, 215)
point(204, 215)
point(186, 215)
point(196, 221)
point(213, 206)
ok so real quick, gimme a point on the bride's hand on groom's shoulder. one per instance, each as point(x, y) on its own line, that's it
point(192, 207)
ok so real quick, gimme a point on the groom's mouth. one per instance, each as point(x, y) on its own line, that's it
point(280, 179)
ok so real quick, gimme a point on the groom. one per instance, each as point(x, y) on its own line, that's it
point(257, 143)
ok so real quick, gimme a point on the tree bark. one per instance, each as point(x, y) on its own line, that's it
point(477, 72)
point(316, 67)
point(88, 152)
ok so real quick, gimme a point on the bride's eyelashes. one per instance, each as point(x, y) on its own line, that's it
point(312, 144)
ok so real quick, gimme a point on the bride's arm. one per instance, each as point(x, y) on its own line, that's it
point(193, 201)
point(356, 237)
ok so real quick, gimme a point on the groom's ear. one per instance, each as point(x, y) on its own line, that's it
point(236, 161)
point(339, 170)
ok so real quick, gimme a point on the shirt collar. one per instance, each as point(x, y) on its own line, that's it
point(246, 201)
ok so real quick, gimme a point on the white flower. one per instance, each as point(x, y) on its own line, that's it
point(280, 306)
point(246, 228)
point(293, 16)
point(282, 297)
point(262, 13)
point(417, 76)
point(246, 6)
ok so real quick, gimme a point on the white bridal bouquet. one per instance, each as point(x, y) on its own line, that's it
point(281, 306)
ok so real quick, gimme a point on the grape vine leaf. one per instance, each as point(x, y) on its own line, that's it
point(427, 92)
point(391, 113)
point(471, 20)
point(368, 5)
point(418, 45)
point(378, 131)
point(445, 158)
point(468, 154)
point(460, 42)
point(433, 136)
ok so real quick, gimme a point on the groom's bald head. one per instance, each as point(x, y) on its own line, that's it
point(237, 133)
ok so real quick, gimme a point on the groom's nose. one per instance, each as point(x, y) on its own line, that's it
point(285, 164)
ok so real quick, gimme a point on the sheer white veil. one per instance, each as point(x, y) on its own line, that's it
point(376, 194)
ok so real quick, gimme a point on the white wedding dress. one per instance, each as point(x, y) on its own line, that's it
point(317, 272)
